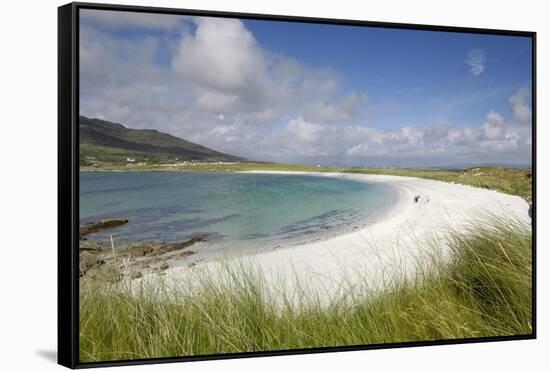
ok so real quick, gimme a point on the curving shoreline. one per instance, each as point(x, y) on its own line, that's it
point(382, 250)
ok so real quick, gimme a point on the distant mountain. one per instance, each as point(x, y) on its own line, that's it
point(107, 141)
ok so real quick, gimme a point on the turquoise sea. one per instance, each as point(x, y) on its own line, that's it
point(241, 208)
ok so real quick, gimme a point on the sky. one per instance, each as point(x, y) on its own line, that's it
point(311, 93)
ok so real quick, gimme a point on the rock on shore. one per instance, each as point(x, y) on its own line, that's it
point(102, 224)
point(100, 260)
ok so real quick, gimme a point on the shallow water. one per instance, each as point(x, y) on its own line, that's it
point(232, 208)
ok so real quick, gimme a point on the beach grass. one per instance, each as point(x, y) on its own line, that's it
point(483, 289)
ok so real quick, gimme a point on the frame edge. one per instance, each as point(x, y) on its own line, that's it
point(67, 259)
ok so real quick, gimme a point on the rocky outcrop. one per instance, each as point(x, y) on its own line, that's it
point(166, 248)
point(97, 226)
point(102, 261)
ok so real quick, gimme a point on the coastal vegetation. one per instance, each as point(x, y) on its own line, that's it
point(484, 290)
point(513, 181)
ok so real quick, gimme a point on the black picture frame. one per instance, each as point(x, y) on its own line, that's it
point(68, 180)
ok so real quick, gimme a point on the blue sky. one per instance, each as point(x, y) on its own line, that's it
point(404, 68)
point(295, 92)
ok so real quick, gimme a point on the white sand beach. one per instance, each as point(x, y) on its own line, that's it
point(378, 251)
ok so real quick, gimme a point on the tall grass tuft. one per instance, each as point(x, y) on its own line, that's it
point(483, 289)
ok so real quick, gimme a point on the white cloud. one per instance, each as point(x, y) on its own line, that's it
point(299, 140)
point(223, 62)
point(476, 60)
point(520, 103)
point(341, 110)
point(495, 140)
point(304, 131)
point(221, 54)
point(214, 101)
point(493, 128)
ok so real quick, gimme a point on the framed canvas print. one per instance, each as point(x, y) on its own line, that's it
point(236, 185)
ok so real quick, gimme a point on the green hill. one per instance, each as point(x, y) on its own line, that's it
point(108, 142)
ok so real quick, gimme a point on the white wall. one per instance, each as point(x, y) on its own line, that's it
point(28, 182)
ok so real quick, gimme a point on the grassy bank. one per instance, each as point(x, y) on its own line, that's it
point(508, 180)
point(211, 167)
point(485, 290)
